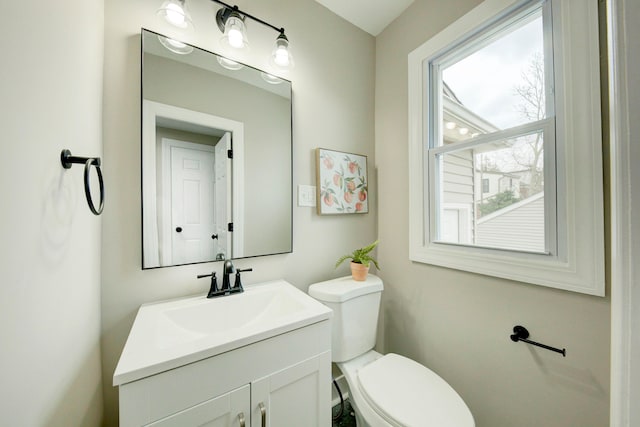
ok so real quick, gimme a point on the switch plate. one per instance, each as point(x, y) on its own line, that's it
point(306, 195)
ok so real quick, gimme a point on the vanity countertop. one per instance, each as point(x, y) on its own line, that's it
point(169, 334)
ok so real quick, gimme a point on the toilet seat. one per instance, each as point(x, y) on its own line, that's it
point(407, 394)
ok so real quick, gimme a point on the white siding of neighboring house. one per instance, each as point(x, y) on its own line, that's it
point(457, 195)
point(458, 178)
point(519, 226)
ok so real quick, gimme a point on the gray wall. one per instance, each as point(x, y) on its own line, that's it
point(333, 94)
point(459, 323)
point(51, 92)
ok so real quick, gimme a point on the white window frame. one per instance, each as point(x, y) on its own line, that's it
point(578, 263)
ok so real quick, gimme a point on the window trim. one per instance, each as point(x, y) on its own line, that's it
point(578, 264)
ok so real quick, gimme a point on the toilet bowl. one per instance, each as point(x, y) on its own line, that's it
point(385, 390)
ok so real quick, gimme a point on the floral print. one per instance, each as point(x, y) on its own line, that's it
point(342, 180)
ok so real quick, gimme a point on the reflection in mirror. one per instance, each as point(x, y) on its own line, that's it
point(216, 157)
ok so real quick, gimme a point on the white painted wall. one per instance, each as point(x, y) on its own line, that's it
point(51, 92)
point(459, 323)
point(333, 87)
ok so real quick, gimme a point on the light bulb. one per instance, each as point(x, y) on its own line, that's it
point(463, 131)
point(234, 32)
point(281, 57)
point(175, 13)
point(235, 38)
point(450, 125)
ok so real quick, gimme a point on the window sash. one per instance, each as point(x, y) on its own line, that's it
point(435, 180)
point(434, 146)
point(481, 37)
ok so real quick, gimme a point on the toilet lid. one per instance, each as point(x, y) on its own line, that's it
point(406, 393)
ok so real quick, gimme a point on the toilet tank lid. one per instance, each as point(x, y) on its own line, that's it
point(345, 288)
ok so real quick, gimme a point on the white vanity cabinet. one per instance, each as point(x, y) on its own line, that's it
point(296, 396)
point(261, 357)
point(222, 411)
point(283, 381)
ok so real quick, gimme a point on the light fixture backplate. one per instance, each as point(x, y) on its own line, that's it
point(223, 14)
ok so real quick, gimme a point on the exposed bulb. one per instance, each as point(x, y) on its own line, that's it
point(175, 13)
point(234, 32)
point(235, 38)
point(281, 57)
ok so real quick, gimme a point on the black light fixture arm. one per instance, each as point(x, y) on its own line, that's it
point(236, 9)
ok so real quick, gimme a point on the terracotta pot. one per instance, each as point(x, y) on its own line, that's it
point(359, 272)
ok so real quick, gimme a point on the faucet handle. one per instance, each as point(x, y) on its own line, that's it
point(213, 290)
point(237, 286)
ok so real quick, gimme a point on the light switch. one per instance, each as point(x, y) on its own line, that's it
point(306, 195)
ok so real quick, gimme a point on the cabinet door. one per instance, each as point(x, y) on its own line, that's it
point(229, 410)
point(298, 396)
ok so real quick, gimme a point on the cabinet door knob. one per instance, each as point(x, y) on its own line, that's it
point(179, 229)
point(263, 414)
point(214, 236)
point(241, 419)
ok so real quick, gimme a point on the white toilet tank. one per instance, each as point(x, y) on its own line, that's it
point(355, 308)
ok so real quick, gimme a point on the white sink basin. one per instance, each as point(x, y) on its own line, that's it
point(169, 334)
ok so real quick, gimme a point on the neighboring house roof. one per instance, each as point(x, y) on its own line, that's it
point(511, 208)
point(518, 227)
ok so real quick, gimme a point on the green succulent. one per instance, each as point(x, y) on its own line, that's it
point(360, 256)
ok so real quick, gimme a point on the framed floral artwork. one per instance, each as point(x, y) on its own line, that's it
point(341, 180)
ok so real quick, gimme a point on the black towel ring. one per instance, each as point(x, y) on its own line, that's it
point(68, 160)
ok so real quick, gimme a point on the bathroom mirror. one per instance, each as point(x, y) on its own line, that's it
point(216, 157)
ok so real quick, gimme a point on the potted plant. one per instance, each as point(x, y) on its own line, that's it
point(360, 261)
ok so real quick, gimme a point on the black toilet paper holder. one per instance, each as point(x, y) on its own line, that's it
point(520, 333)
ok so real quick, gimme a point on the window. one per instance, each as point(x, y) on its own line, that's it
point(500, 132)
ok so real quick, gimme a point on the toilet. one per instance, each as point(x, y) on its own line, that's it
point(385, 390)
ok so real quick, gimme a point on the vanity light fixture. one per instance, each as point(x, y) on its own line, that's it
point(281, 57)
point(231, 22)
point(175, 12)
